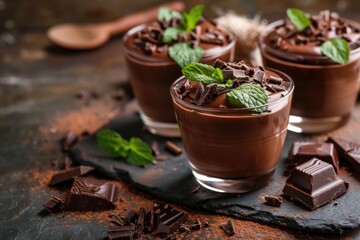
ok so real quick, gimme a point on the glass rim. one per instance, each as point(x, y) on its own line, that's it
point(233, 110)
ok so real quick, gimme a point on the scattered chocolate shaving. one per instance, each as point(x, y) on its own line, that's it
point(196, 189)
point(69, 140)
point(228, 228)
point(150, 224)
point(196, 226)
point(121, 232)
point(168, 219)
point(205, 98)
point(140, 223)
point(55, 204)
point(206, 224)
point(162, 157)
point(184, 228)
point(117, 219)
point(273, 200)
point(69, 174)
point(173, 148)
point(131, 217)
point(275, 80)
point(155, 149)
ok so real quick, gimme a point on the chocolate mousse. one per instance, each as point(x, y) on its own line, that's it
point(152, 69)
point(326, 90)
point(236, 139)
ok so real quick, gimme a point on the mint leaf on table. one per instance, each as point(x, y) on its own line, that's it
point(337, 49)
point(166, 14)
point(136, 151)
point(298, 18)
point(183, 54)
point(112, 143)
point(171, 34)
point(190, 19)
point(140, 153)
point(248, 95)
point(206, 74)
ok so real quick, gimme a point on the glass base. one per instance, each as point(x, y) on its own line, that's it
point(241, 185)
point(316, 125)
point(160, 128)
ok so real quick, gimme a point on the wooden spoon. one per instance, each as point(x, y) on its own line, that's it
point(81, 37)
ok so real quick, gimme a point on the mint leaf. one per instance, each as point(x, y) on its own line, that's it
point(112, 143)
point(183, 54)
point(248, 95)
point(337, 49)
point(166, 14)
point(298, 18)
point(140, 153)
point(228, 83)
point(206, 74)
point(171, 34)
point(190, 19)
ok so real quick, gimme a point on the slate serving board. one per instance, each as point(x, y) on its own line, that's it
point(172, 180)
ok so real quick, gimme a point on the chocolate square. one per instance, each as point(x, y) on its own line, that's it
point(347, 150)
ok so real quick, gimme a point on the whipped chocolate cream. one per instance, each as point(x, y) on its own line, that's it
point(286, 42)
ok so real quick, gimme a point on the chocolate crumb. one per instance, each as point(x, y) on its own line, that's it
point(184, 228)
point(173, 148)
point(69, 140)
point(55, 204)
point(273, 200)
point(196, 189)
point(228, 228)
point(195, 226)
point(162, 158)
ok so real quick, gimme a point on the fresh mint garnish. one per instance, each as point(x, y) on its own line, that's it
point(206, 74)
point(183, 54)
point(228, 83)
point(337, 49)
point(250, 96)
point(136, 151)
point(171, 34)
point(166, 14)
point(298, 18)
point(190, 19)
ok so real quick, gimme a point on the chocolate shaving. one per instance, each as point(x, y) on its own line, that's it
point(55, 204)
point(155, 149)
point(205, 98)
point(196, 189)
point(228, 228)
point(195, 226)
point(273, 200)
point(140, 223)
point(173, 148)
point(121, 232)
point(69, 140)
point(275, 80)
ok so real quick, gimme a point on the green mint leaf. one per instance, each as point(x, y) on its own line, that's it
point(166, 14)
point(140, 153)
point(336, 49)
point(112, 143)
point(298, 18)
point(228, 83)
point(190, 19)
point(171, 34)
point(248, 95)
point(183, 54)
point(206, 74)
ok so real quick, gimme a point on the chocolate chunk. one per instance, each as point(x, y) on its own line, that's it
point(131, 217)
point(259, 76)
point(155, 149)
point(275, 80)
point(273, 200)
point(347, 150)
point(228, 228)
point(219, 64)
point(234, 74)
point(195, 226)
point(304, 151)
point(54, 204)
point(173, 148)
point(168, 219)
point(70, 174)
point(121, 232)
point(199, 91)
point(184, 228)
point(206, 224)
point(87, 194)
point(140, 223)
point(150, 223)
point(69, 140)
point(118, 219)
point(209, 91)
point(314, 184)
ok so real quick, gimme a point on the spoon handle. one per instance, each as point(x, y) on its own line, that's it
point(127, 22)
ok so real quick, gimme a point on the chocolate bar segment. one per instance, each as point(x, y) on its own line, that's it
point(314, 184)
point(168, 219)
point(69, 174)
point(302, 152)
point(88, 194)
point(347, 150)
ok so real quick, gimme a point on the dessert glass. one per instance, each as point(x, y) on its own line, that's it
point(325, 92)
point(233, 150)
point(151, 78)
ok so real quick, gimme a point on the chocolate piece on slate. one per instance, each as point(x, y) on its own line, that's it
point(140, 223)
point(54, 204)
point(155, 149)
point(228, 228)
point(173, 148)
point(195, 226)
point(168, 219)
point(69, 174)
point(87, 194)
point(150, 223)
point(347, 150)
point(121, 232)
point(304, 151)
point(273, 200)
point(69, 140)
point(314, 184)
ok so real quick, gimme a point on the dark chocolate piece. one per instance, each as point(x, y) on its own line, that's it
point(69, 140)
point(150, 223)
point(140, 223)
point(195, 226)
point(121, 232)
point(118, 219)
point(88, 194)
point(195, 190)
point(131, 217)
point(168, 219)
point(173, 148)
point(69, 174)
point(184, 228)
point(54, 204)
point(162, 157)
point(314, 184)
point(228, 228)
point(347, 150)
point(304, 151)
point(155, 149)
point(273, 200)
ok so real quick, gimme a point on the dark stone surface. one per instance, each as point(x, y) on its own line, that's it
point(172, 180)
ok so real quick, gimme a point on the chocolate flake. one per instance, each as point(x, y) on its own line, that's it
point(155, 149)
point(140, 223)
point(273, 200)
point(69, 140)
point(196, 226)
point(196, 189)
point(228, 228)
point(70, 174)
point(173, 148)
point(168, 219)
point(54, 204)
point(275, 80)
point(121, 232)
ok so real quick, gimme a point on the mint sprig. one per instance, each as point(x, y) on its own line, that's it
point(136, 151)
point(248, 95)
point(183, 54)
point(337, 49)
point(298, 18)
point(190, 19)
point(166, 14)
point(206, 74)
point(171, 34)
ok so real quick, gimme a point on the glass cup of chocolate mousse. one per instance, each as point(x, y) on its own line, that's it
point(233, 121)
point(155, 61)
point(321, 53)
